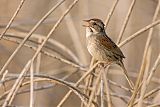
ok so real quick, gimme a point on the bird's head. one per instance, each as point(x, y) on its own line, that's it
point(94, 25)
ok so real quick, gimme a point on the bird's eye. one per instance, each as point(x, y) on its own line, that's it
point(94, 23)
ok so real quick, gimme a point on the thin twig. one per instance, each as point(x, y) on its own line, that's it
point(139, 32)
point(77, 83)
point(148, 94)
point(142, 69)
point(126, 98)
point(62, 82)
point(21, 35)
point(49, 54)
point(31, 86)
point(146, 72)
point(37, 70)
point(157, 62)
point(111, 12)
point(75, 37)
point(40, 88)
point(2, 79)
point(120, 86)
point(154, 105)
point(53, 29)
point(12, 19)
point(102, 91)
point(126, 21)
point(94, 89)
point(43, 77)
point(109, 101)
point(16, 85)
point(133, 75)
point(28, 35)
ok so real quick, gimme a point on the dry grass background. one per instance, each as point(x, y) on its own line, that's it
point(44, 61)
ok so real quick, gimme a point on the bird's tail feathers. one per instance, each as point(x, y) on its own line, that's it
point(126, 74)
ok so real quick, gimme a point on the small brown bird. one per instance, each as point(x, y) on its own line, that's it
point(101, 47)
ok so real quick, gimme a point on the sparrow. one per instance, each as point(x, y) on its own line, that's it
point(101, 47)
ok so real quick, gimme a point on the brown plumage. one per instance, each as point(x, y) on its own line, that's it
point(101, 47)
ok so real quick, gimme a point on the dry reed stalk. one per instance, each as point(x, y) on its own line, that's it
point(16, 86)
point(142, 69)
point(39, 79)
point(32, 85)
point(49, 54)
point(145, 78)
point(111, 12)
point(81, 95)
point(89, 83)
point(120, 86)
point(99, 92)
point(53, 29)
point(21, 35)
point(75, 38)
point(97, 81)
point(62, 82)
point(127, 98)
point(154, 105)
point(122, 97)
point(35, 43)
point(109, 101)
point(12, 19)
point(42, 77)
point(157, 62)
point(37, 70)
point(41, 88)
point(29, 34)
point(152, 92)
point(77, 83)
point(38, 61)
point(102, 92)
point(126, 21)
point(134, 75)
point(148, 94)
point(139, 32)
point(67, 84)
point(2, 79)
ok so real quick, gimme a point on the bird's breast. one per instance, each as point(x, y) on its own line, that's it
point(95, 49)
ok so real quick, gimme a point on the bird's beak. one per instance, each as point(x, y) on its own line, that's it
point(86, 23)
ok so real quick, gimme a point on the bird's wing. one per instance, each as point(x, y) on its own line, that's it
point(110, 45)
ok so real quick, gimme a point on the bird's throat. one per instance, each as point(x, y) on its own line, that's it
point(89, 32)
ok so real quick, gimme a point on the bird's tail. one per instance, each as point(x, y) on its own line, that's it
point(126, 75)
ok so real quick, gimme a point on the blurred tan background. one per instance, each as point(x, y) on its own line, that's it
point(69, 30)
